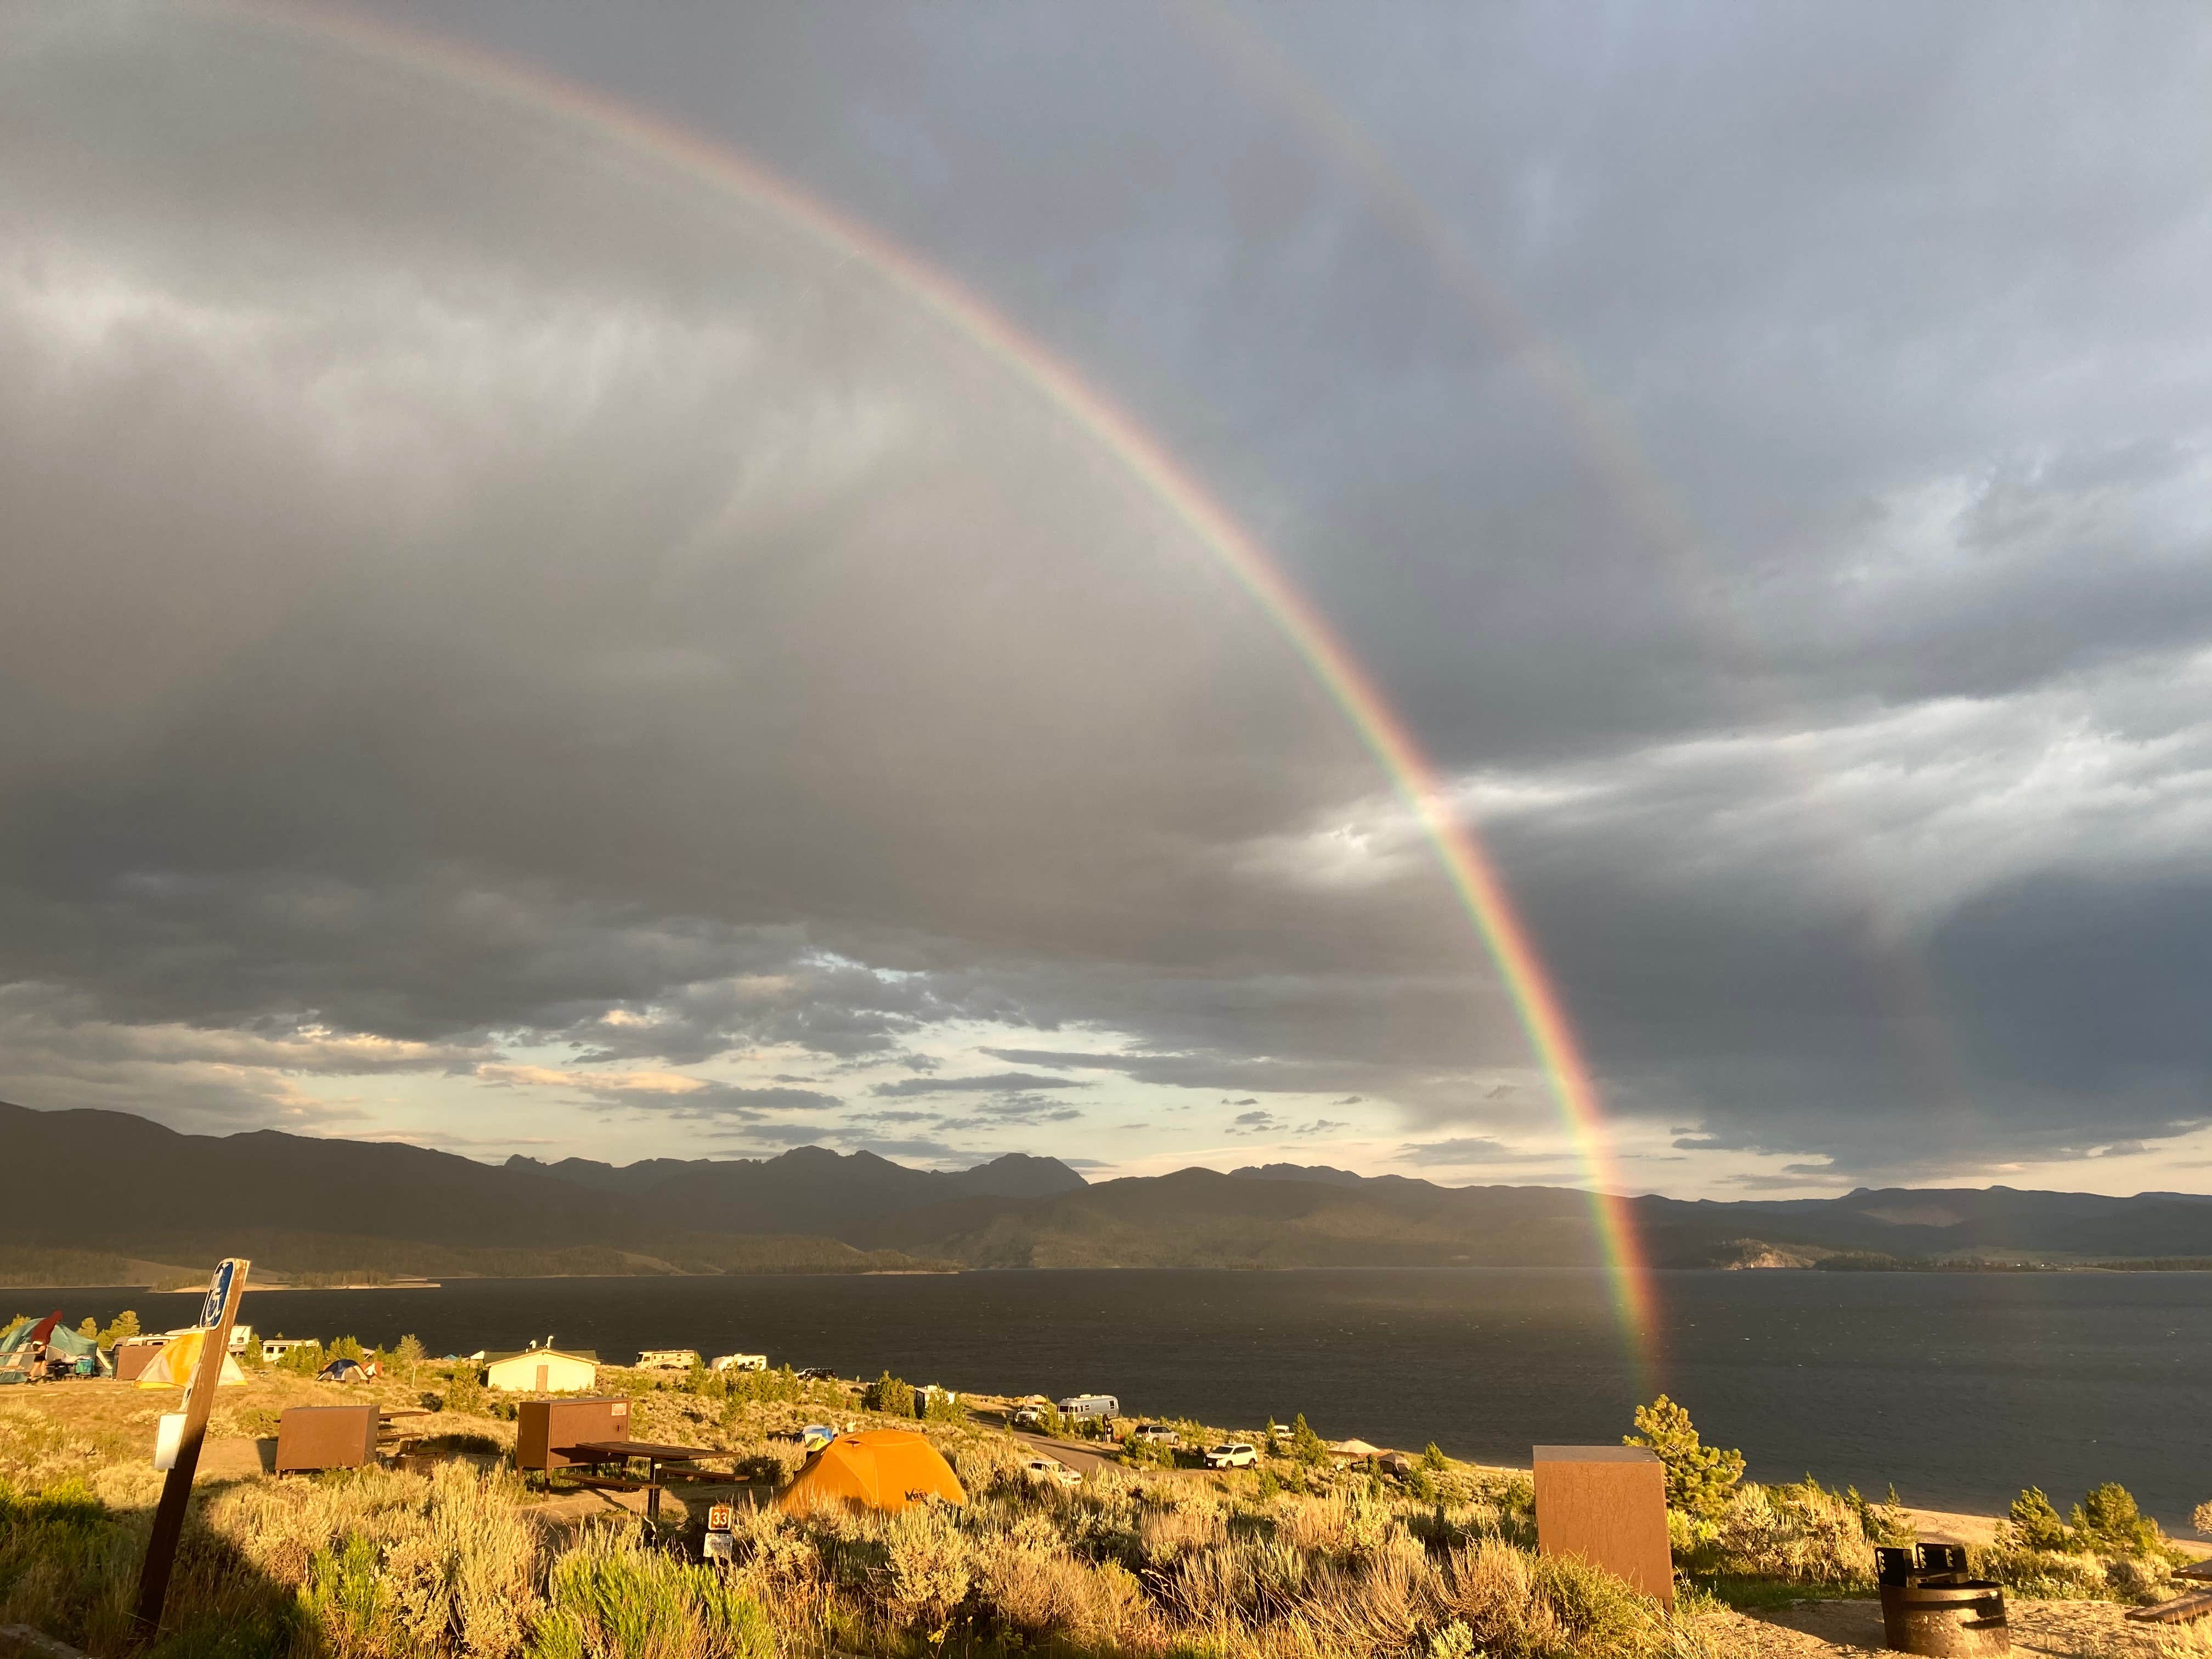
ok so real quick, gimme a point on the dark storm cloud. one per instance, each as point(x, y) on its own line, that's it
point(996, 1083)
point(469, 589)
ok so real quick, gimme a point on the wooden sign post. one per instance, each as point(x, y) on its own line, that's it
point(217, 1315)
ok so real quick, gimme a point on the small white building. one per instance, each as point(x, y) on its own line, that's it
point(542, 1370)
point(741, 1362)
point(668, 1359)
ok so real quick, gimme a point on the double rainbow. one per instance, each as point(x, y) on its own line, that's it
point(1475, 880)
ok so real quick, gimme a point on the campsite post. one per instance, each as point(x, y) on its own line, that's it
point(216, 1315)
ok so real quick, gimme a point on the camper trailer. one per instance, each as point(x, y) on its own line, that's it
point(741, 1362)
point(1091, 1404)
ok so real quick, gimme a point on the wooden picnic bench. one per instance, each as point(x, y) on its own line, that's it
point(652, 1453)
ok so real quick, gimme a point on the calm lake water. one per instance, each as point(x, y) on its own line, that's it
point(1960, 1388)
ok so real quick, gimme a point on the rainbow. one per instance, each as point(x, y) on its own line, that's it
point(1414, 779)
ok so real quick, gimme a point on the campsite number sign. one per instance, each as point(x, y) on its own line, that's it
point(218, 1292)
point(216, 1317)
point(719, 1516)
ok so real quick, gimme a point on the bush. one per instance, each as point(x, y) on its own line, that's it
point(611, 1598)
point(2200, 1519)
point(2109, 1523)
point(888, 1394)
point(1306, 1446)
point(2036, 1524)
point(1699, 1478)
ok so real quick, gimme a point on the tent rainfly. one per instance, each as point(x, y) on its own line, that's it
point(1353, 1448)
point(878, 1469)
point(172, 1367)
point(59, 1341)
point(342, 1370)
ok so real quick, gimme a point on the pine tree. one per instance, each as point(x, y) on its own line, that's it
point(1699, 1478)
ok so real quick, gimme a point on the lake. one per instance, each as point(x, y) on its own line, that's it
point(1958, 1387)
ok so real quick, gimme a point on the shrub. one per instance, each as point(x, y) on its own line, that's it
point(1433, 1459)
point(2035, 1523)
point(1699, 1477)
point(122, 1328)
point(1802, 1534)
point(887, 1394)
point(2200, 1518)
point(2109, 1523)
point(927, 1569)
point(1306, 1446)
point(611, 1598)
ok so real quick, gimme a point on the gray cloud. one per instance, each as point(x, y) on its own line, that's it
point(650, 641)
point(996, 1083)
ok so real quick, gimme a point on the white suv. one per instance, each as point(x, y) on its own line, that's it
point(1232, 1455)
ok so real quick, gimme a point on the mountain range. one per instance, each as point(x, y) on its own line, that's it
point(124, 1192)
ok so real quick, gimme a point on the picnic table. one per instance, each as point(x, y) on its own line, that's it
point(392, 1437)
point(2190, 1604)
point(652, 1453)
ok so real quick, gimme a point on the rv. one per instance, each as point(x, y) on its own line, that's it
point(1091, 1404)
point(741, 1362)
point(668, 1359)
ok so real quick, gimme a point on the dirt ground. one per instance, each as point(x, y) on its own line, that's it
point(1816, 1630)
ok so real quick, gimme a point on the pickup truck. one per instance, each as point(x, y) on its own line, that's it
point(1232, 1455)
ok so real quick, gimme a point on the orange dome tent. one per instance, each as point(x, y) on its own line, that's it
point(878, 1469)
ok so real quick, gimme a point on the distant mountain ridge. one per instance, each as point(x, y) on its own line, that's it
point(807, 1189)
point(134, 1189)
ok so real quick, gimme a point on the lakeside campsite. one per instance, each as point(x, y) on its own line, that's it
point(454, 1522)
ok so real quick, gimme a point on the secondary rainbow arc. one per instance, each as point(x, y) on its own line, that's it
point(1413, 777)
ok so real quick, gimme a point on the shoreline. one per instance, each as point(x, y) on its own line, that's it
point(448, 1280)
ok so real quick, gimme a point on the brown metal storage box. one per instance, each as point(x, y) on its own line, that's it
point(1608, 1506)
point(325, 1437)
point(544, 1427)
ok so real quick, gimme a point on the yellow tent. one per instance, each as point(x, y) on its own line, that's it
point(878, 1469)
point(174, 1366)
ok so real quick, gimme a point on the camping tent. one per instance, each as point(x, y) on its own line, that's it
point(50, 1339)
point(877, 1469)
point(342, 1370)
point(174, 1366)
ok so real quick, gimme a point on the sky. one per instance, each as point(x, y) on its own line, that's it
point(527, 625)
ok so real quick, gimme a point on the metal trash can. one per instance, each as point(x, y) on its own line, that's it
point(1929, 1606)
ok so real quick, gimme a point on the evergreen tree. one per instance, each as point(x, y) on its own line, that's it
point(1700, 1479)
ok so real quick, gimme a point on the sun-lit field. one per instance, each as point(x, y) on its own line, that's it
point(1145, 1554)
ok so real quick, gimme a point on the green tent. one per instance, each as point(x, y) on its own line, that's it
point(61, 1342)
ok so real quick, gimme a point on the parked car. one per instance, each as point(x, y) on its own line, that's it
point(1232, 1455)
point(1051, 1468)
point(1027, 1417)
point(818, 1373)
point(1159, 1431)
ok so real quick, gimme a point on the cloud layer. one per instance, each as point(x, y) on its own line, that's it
point(508, 637)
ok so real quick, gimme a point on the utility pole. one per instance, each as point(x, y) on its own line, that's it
point(217, 1315)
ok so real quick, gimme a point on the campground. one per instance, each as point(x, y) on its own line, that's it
point(1146, 1559)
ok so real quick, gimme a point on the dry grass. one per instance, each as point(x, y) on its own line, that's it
point(1146, 1564)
